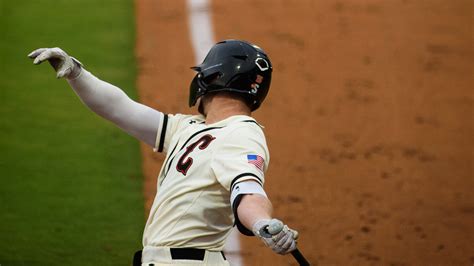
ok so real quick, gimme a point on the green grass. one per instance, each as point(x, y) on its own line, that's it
point(70, 183)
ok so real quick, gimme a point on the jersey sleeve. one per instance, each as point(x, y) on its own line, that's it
point(169, 125)
point(241, 155)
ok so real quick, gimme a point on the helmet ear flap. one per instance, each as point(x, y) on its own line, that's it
point(200, 84)
point(195, 91)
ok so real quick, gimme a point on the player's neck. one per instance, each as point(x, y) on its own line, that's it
point(221, 107)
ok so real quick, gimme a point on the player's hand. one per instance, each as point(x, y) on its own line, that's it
point(65, 65)
point(276, 235)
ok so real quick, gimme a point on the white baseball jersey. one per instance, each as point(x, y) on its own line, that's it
point(192, 206)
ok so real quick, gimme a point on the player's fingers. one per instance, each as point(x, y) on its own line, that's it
point(48, 54)
point(36, 52)
point(290, 248)
point(285, 241)
point(42, 56)
point(276, 238)
point(295, 234)
point(285, 231)
point(286, 248)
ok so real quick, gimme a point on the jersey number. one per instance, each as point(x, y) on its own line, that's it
point(184, 161)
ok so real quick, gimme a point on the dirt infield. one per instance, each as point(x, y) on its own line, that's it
point(369, 121)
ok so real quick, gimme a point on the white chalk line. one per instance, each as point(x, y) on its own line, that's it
point(202, 39)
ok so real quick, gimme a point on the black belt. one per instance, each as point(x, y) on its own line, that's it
point(189, 254)
point(178, 254)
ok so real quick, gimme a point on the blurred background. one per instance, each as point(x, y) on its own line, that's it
point(70, 183)
point(369, 122)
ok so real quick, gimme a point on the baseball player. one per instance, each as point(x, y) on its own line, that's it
point(213, 174)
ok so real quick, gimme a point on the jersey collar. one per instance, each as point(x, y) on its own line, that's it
point(233, 119)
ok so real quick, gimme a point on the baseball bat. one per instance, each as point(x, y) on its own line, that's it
point(274, 229)
point(299, 258)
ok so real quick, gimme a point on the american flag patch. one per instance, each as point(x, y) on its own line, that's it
point(256, 160)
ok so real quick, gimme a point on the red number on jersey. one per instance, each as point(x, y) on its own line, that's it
point(185, 162)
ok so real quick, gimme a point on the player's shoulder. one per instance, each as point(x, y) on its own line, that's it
point(182, 120)
point(250, 125)
point(244, 126)
point(242, 133)
point(186, 117)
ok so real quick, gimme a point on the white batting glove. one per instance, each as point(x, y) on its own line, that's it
point(65, 65)
point(276, 235)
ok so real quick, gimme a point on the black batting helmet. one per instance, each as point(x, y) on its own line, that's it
point(233, 66)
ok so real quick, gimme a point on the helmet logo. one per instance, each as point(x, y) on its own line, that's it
point(256, 85)
point(262, 64)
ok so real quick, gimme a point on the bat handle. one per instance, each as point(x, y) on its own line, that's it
point(299, 258)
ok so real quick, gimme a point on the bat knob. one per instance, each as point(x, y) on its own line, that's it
point(275, 226)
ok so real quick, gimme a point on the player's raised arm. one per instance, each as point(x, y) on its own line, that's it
point(105, 99)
